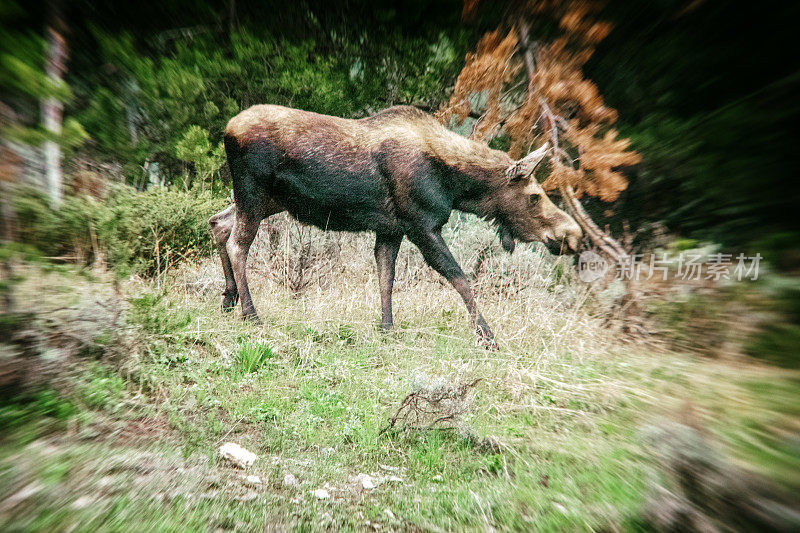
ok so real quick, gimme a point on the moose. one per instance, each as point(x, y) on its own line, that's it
point(398, 173)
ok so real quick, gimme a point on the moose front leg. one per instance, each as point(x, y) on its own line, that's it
point(439, 257)
point(386, 248)
point(245, 227)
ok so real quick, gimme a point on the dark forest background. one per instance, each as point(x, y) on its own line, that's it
point(706, 91)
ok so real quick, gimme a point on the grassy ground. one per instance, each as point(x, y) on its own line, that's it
point(130, 442)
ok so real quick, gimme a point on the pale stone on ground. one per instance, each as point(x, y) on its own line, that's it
point(321, 494)
point(237, 455)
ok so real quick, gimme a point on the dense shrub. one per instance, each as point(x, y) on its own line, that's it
point(705, 491)
point(779, 333)
point(66, 232)
point(185, 89)
point(138, 232)
point(148, 231)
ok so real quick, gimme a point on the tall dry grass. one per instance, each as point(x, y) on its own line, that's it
point(333, 274)
point(327, 282)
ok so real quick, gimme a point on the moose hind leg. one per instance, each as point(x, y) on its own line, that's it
point(245, 227)
point(386, 248)
point(221, 226)
point(439, 257)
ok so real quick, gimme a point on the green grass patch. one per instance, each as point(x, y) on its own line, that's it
point(253, 356)
point(310, 396)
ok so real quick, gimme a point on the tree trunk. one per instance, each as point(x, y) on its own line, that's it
point(51, 108)
point(605, 242)
point(232, 20)
point(9, 220)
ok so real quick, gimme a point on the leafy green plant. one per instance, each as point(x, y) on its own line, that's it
point(154, 315)
point(196, 148)
point(45, 403)
point(147, 232)
point(169, 103)
point(101, 389)
point(66, 231)
point(138, 232)
point(252, 356)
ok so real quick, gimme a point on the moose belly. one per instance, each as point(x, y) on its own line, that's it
point(338, 201)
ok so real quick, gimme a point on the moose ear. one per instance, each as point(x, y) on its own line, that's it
point(523, 168)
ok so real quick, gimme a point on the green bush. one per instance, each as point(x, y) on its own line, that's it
point(138, 232)
point(186, 89)
point(149, 231)
point(64, 232)
point(153, 314)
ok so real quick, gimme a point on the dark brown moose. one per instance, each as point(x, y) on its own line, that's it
point(398, 174)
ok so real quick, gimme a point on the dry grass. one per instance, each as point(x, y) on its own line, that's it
point(530, 294)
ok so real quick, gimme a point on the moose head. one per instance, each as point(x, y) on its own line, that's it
point(525, 212)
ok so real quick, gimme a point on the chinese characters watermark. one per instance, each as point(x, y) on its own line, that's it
point(688, 266)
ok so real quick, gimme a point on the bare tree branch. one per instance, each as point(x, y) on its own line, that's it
point(600, 238)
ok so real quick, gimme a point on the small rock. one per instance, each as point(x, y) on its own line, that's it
point(389, 468)
point(237, 455)
point(253, 480)
point(365, 481)
point(289, 480)
point(560, 507)
point(388, 512)
point(437, 477)
point(321, 494)
point(81, 503)
point(395, 479)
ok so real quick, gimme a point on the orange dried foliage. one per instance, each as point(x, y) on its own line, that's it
point(600, 156)
point(580, 21)
point(469, 10)
point(560, 104)
point(486, 71)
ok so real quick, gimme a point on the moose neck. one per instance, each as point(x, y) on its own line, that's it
point(481, 189)
point(476, 172)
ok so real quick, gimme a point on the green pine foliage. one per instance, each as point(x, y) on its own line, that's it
point(172, 107)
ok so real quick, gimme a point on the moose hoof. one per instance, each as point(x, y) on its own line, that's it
point(252, 318)
point(487, 340)
point(490, 344)
point(229, 301)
